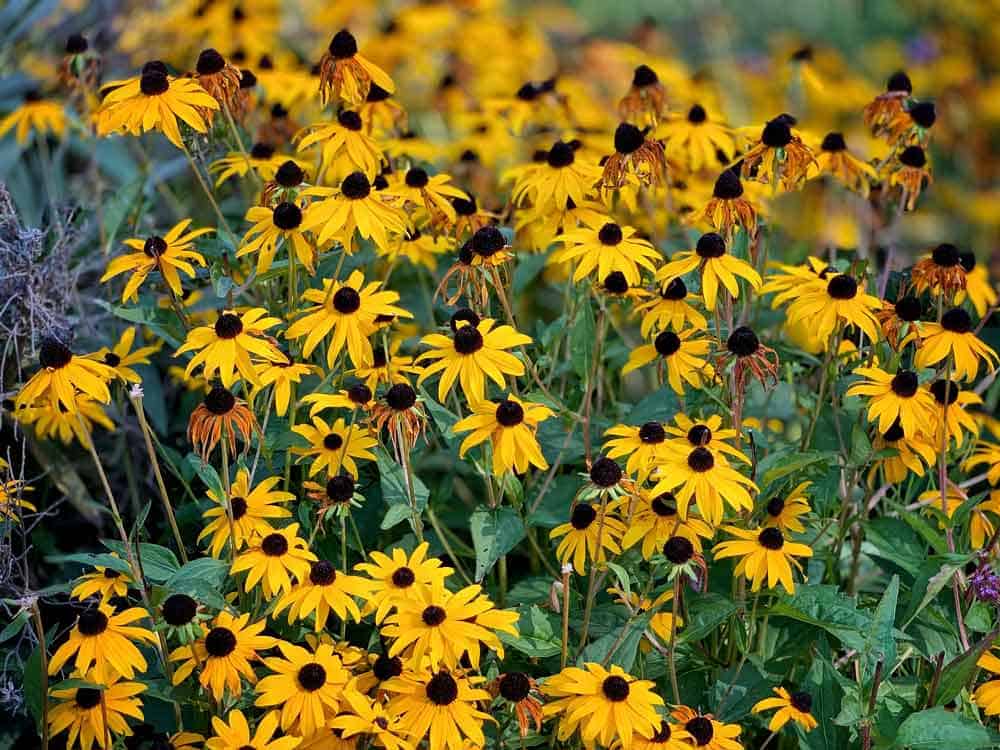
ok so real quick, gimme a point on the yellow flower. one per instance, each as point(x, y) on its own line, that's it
point(353, 208)
point(273, 560)
point(764, 553)
point(398, 577)
point(236, 734)
point(784, 512)
point(53, 421)
point(251, 508)
point(895, 397)
point(62, 374)
point(104, 640)
point(335, 446)
point(108, 582)
point(706, 477)
point(282, 375)
point(706, 731)
point(167, 254)
point(681, 354)
point(274, 226)
point(716, 265)
point(226, 346)
point(834, 159)
point(323, 591)
point(954, 336)
point(35, 115)
point(824, 304)
point(433, 193)
point(345, 147)
point(561, 177)
point(606, 248)
point(589, 535)
point(694, 139)
point(306, 688)
point(348, 75)
point(654, 520)
point(92, 714)
point(791, 707)
point(121, 357)
point(669, 308)
point(510, 426)
point(441, 706)
point(363, 716)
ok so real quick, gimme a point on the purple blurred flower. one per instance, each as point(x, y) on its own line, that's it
point(985, 584)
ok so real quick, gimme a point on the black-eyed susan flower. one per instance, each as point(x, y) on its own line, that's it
point(400, 412)
point(785, 511)
point(590, 534)
point(224, 654)
point(433, 193)
point(344, 146)
point(680, 354)
point(913, 454)
point(489, 247)
point(978, 287)
point(346, 74)
point(521, 691)
point(437, 627)
point(728, 210)
point(643, 445)
point(779, 156)
point(704, 476)
point(323, 591)
point(940, 272)
point(827, 305)
point(353, 207)
point(510, 425)
point(696, 141)
point(360, 715)
point(234, 733)
point(348, 310)
point(670, 307)
point(282, 375)
point(764, 554)
point(605, 248)
point(896, 318)
point(306, 688)
point(703, 433)
point(836, 160)
point(986, 454)
point(706, 731)
point(36, 115)
point(912, 126)
point(887, 106)
point(398, 576)
point(636, 159)
point(561, 177)
point(262, 160)
point(895, 396)
point(954, 337)
point(91, 715)
point(170, 254)
point(272, 227)
point(220, 78)
point(105, 640)
point(381, 113)
point(952, 417)
point(61, 376)
point(183, 617)
point(335, 446)
point(795, 707)
point(220, 416)
point(716, 266)
point(749, 358)
point(273, 560)
point(226, 346)
point(474, 353)
point(286, 185)
point(646, 100)
point(358, 396)
point(104, 581)
point(252, 508)
point(605, 705)
point(121, 358)
point(653, 520)
point(668, 736)
point(910, 172)
point(155, 100)
point(441, 706)
point(52, 421)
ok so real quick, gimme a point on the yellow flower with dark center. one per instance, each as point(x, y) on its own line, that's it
point(282, 375)
point(335, 446)
point(437, 627)
point(952, 417)
point(348, 75)
point(707, 478)
point(252, 509)
point(351, 208)
point(434, 193)
point(779, 156)
point(590, 535)
point(728, 210)
point(91, 715)
point(345, 147)
point(940, 272)
point(654, 520)
point(108, 582)
point(716, 266)
point(836, 160)
point(399, 577)
point(606, 705)
point(389, 367)
point(349, 310)
point(441, 706)
point(706, 731)
point(910, 173)
point(978, 287)
point(893, 397)
point(261, 159)
point(223, 655)
point(986, 454)
point(363, 716)
point(696, 141)
point(510, 425)
point(636, 159)
point(220, 78)
point(121, 357)
point(560, 178)
point(795, 707)
point(105, 641)
point(786, 283)
point(220, 415)
point(680, 354)
point(226, 346)
point(475, 352)
point(273, 560)
point(669, 736)
point(824, 304)
point(703, 433)
point(61, 376)
point(670, 307)
point(273, 227)
point(323, 591)
point(644, 445)
point(155, 100)
point(604, 248)
point(764, 554)
point(954, 336)
point(306, 688)
point(235, 734)
point(913, 454)
point(783, 512)
point(36, 115)
point(167, 254)
point(358, 396)
point(52, 421)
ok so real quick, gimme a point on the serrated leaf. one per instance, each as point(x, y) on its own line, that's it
point(706, 612)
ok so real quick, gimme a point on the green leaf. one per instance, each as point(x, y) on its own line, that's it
point(392, 480)
point(825, 607)
point(822, 684)
point(87, 558)
point(879, 641)
point(706, 612)
point(624, 579)
point(861, 446)
point(933, 577)
point(959, 671)
point(32, 685)
point(207, 473)
point(158, 563)
point(582, 338)
point(118, 207)
point(538, 638)
point(937, 728)
point(619, 645)
point(529, 265)
point(787, 464)
point(737, 690)
point(201, 579)
point(15, 626)
point(495, 532)
point(443, 418)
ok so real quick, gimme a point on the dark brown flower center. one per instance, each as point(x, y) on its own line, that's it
point(88, 698)
point(834, 142)
point(333, 442)
point(509, 413)
point(666, 343)
point(894, 433)
point(154, 83)
point(945, 392)
point(488, 241)
point(582, 516)
point(678, 550)
point(842, 286)
point(442, 690)
point(468, 340)
point(905, 383)
point(615, 688)
point(664, 505)
point(701, 460)
point(802, 701)
point(697, 115)
point(662, 734)
point(514, 686)
point(53, 355)
point(220, 642)
point(401, 397)
point(913, 157)
point(956, 320)
point(287, 216)
point(675, 291)
point(610, 234)
point(701, 729)
point(239, 507)
point(387, 667)
point(210, 62)
point(776, 134)
point(356, 186)
point(652, 433)
point(628, 138)
point(274, 545)
point(945, 255)
point(403, 577)
point(228, 326)
point(774, 506)
point(710, 245)
point(728, 186)
point(154, 246)
point(350, 120)
point(561, 155)
point(346, 300)
point(289, 175)
point(92, 622)
point(111, 359)
point(908, 308)
point(179, 609)
point(699, 434)
point(771, 538)
point(343, 45)
point(417, 178)
point(312, 677)
point(219, 401)
point(615, 283)
point(340, 488)
point(433, 615)
point(644, 76)
point(605, 472)
point(743, 342)
point(923, 114)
